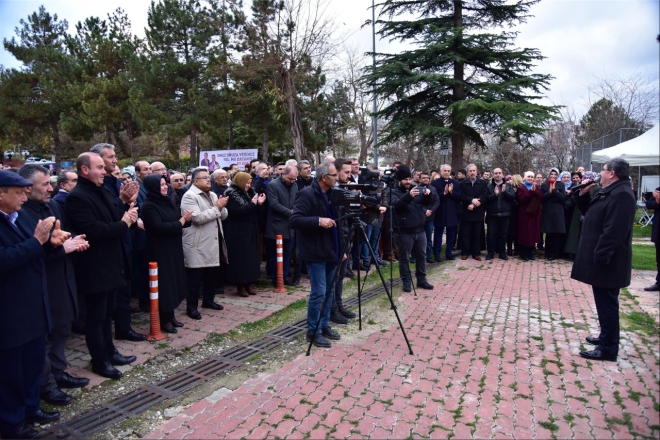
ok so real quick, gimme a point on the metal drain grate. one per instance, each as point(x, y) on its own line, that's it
point(150, 395)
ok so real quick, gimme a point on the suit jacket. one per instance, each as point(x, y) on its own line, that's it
point(60, 275)
point(280, 207)
point(469, 191)
point(60, 198)
point(433, 207)
point(23, 287)
point(93, 211)
point(450, 204)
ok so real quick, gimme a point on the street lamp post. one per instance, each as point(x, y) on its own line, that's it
point(375, 120)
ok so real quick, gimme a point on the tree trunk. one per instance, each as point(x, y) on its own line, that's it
point(364, 142)
point(193, 149)
point(128, 123)
point(58, 148)
point(458, 137)
point(264, 144)
point(108, 135)
point(294, 115)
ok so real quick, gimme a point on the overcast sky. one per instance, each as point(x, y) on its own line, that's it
point(580, 38)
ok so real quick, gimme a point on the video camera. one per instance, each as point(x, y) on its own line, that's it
point(373, 176)
point(355, 196)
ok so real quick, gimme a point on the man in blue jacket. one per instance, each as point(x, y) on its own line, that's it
point(317, 244)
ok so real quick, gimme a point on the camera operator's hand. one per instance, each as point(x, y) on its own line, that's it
point(414, 192)
point(326, 223)
point(382, 209)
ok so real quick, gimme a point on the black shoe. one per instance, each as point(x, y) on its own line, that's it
point(295, 281)
point(424, 285)
point(68, 381)
point(219, 291)
point(212, 305)
point(490, 256)
point(437, 258)
point(169, 329)
point(42, 417)
point(329, 333)
point(135, 310)
point(130, 335)
point(319, 340)
point(430, 260)
point(653, 288)
point(381, 263)
point(362, 267)
point(21, 432)
point(592, 340)
point(509, 252)
point(450, 257)
point(503, 256)
point(176, 323)
point(346, 313)
point(56, 397)
point(550, 258)
point(338, 318)
point(193, 314)
point(106, 369)
point(117, 359)
point(597, 355)
point(407, 286)
point(349, 273)
point(532, 258)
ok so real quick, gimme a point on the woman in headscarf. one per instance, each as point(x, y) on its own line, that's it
point(529, 216)
point(552, 215)
point(512, 247)
point(163, 224)
point(242, 233)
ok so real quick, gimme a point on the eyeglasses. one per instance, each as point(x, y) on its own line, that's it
point(332, 175)
point(204, 178)
point(157, 170)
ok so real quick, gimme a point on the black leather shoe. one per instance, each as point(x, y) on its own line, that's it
point(68, 381)
point(319, 340)
point(349, 273)
point(56, 397)
point(407, 286)
point(295, 281)
point(20, 432)
point(329, 333)
point(430, 260)
point(42, 417)
point(212, 305)
point(362, 268)
point(169, 329)
point(118, 359)
point(130, 335)
point(597, 355)
point(338, 318)
point(424, 285)
point(653, 288)
point(193, 314)
point(450, 257)
point(346, 313)
point(490, 256)
point(176, 323)
point(503, 256)
point(592, 340)
point(106, 369)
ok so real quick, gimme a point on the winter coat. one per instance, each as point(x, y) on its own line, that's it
point(433, 207)
point(652, 204)
point(501, 204)
point(529, 225)
point(449, 209)
point(409, 211)
point(280, 205)
point(470, 191)
point(604, 256)
point(552, 213)
point(202, 240)
point(242, 236)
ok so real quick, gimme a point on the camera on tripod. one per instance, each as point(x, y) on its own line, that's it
point(359, 195)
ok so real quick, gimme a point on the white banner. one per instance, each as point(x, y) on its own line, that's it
point(223, 158)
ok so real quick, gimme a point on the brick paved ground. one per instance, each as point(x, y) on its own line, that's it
point(496, 355)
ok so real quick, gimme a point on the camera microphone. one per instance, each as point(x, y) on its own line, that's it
point(585, 183)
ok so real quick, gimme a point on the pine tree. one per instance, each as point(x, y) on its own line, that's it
point(457, 78)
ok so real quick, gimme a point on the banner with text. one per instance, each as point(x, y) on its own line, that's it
point(223, 158)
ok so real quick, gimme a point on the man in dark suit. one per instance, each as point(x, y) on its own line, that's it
point(66, 181)
point(26, 319)
point(429, 212)
point(474, 192)
point(604, 256)
point(446, 216)
point(654, 203)
point(280, 193)
point(104, 268)
point(62, 292)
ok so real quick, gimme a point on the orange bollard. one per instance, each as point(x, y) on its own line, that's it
point(154, 334)
point(280, 265)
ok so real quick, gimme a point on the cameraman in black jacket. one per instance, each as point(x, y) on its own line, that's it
point(409, 220)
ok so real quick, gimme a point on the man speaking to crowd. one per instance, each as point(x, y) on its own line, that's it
point(604, 256)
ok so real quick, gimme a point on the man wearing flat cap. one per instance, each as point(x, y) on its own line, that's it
point(24, 299)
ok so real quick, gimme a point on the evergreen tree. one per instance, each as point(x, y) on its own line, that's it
point(457, 79)
point(603, 118)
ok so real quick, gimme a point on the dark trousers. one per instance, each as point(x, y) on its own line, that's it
point(471, 235)
point(208, 276)
point(140, 286)
point(437, 240)
point(607, 306)
point(525, 251)
point(166, 318)
point(412, 243)
point(338, 301)
point(272, 258)
point(554, 245)
point(55, 360)
point(98, 327)
point(122, 309)
point(498, 227)
point(657, 260)
point(428, 231)
point(20, 379)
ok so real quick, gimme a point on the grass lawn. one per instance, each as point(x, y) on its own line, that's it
point(638, 231)
point(643, 257)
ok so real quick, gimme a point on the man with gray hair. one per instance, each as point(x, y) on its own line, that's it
point(219, 180)
point(304, 174)
point(474, 192)
point(66, 180)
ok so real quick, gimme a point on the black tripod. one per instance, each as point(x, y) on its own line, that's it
point(354, 222)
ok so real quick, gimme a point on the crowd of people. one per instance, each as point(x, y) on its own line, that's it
point(83, 240)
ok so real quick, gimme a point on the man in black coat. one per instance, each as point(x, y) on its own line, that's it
point(654, 203)
point(499, 206)
point(66, 181)
point(447, 214)
point(425, 182)
point(104, 268)
point(473, 196)
point(604, 256)
point(409, 220)
point(552, 215)
point(26, 312)
point(62, 292)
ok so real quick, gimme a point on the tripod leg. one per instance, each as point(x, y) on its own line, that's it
point(387, 291)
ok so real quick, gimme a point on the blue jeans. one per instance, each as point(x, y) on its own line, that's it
point(428, 230)
point(320, 278)
point(272, 257)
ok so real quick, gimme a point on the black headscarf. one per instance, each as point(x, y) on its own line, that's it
point(152, 186)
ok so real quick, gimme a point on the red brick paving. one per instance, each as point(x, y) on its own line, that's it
point(496, 355)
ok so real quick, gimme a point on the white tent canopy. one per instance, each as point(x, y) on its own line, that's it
point(642, 151)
